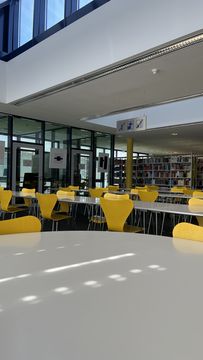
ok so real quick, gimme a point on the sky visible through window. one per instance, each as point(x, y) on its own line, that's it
point(54, 12)
point(26, 21)
point(83, 3)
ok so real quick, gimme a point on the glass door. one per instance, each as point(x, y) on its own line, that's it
point(27, 166)
point(81, 168)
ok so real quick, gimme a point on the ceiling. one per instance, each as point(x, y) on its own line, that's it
point(161, 141)
point(179, 75)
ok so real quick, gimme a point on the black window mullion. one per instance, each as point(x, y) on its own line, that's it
point(74, 6)
point(39, 17)
point(13, 25)
point(68, 8)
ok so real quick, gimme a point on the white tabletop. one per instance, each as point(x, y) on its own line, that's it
point(100, 295)
point(179, 209)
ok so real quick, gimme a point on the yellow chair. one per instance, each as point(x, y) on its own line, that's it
point(96, 193)
point(1, 188)
point(188, 231)
point(178, 189)
point(96, 217)
point(5, 198)
point(64, 206)
point(197, 194)
point(47, 203)
point(113, 187)
point(196, 205)
point(116, 213)
point(149, 196)
point(24, 224)
point(116, 196)
point(152, 187)
point(134, 191)
point(70, 188)
point(188, 192)
point(28, 202)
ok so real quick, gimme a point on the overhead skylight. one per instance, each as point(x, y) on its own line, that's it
point(179, 112)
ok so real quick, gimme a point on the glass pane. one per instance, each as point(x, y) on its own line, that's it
point(82, 3)
point(27, 168)
point(55, 10)
point(27, 130)
point(56, 137)
point(26, 15)
point(81, 139)
point(81, 169)
point(103, 145)
point(4, 139)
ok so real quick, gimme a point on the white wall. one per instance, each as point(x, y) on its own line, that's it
point(3, 67)
point(117, 30)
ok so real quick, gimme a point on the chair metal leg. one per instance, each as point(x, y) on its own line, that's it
point(150, 219)
point(162, 225)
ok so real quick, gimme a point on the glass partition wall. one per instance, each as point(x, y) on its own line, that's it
point(4, 150)
point(26, 153)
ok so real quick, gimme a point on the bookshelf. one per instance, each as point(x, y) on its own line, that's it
point(159, 170)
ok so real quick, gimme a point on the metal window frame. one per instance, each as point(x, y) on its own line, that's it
point(71, 14)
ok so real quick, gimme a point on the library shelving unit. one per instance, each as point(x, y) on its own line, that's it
point(199, 172)
point(164, 171)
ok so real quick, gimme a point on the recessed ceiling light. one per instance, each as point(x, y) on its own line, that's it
point(174, 134)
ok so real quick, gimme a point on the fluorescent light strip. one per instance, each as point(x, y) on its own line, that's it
point(77, 265)
point(193, 40)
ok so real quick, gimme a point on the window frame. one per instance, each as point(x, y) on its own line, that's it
point(72, 14)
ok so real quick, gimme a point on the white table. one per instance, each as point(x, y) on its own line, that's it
point(156, 207)
point(99, 295)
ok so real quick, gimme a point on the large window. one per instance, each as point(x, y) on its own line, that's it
point(55, 10)
point(27, 130)
point(26, 15)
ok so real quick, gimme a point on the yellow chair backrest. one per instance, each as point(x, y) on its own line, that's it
point(28, 202)
point(178, 189)
point(152, 187)
point(5, 197)
point(188, 192)
point(134, 191)
point(24, 224)
point(46, 204)
point(188, 231)
point(116, 212)
point(96, 193)
point(149, 196)
point(29, 191)
point(70, 188)
point(64, 206)
point(1, 188)
point(116, 196)
point(62, 193)
point(113, 187)
point(197, 194)
point(196, 204)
